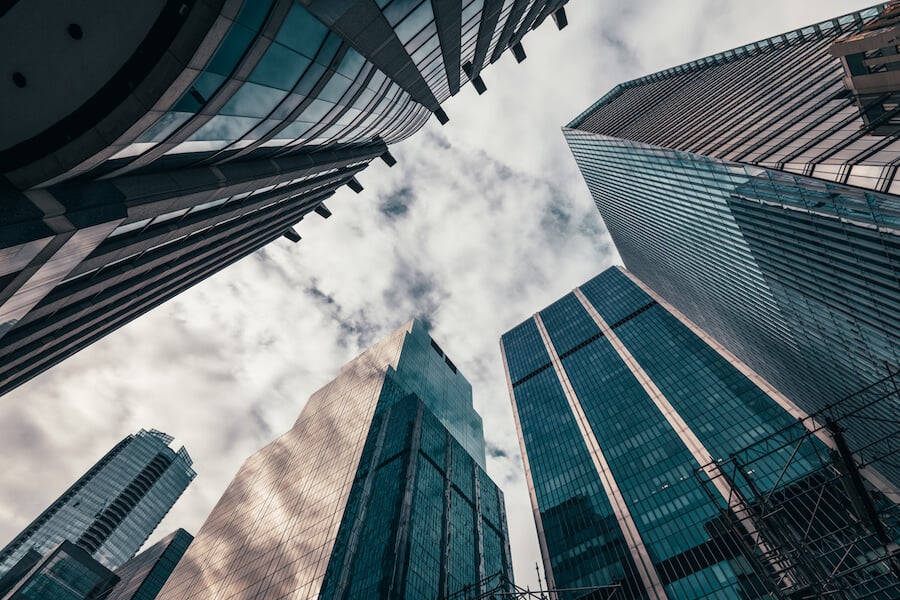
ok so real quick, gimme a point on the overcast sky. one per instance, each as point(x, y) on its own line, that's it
point(481, 223)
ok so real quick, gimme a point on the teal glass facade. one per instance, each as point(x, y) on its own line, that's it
point(766, 213)
point(142, 577)
point(111, 510)
point(378, 490)
point(452, 534)
point(66, 573)
point(581, 535)
point(623, 410)
point(309, 88)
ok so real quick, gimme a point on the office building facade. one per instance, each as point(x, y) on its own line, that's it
point(625, 411)
point(378, 491)
point(754, 190)
point(142, 577)
point(202, 131)
point(114, 507)
point(67, 572)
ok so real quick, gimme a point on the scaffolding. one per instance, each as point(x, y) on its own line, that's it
point(498, 587)
point(811, 514)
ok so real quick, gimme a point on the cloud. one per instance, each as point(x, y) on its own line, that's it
point(397, 205)
point(482, 222)
point(495, 452)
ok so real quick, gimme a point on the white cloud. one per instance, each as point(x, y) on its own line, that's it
point(483, 222)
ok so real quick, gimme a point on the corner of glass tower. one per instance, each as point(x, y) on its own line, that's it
point(424, 369)
point(380, 483)
point(661, 466)
point(115, 506)
point(761, 201)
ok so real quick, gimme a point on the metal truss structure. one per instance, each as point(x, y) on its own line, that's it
point(498, 587)
point(809, 511)
point(803, 506)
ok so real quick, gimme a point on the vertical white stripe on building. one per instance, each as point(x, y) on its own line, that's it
point(730, 494)
point(873, 476)
point(629, 529)
point(539, 524)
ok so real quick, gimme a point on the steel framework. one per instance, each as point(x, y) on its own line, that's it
point(498, 587)
point(809, 521)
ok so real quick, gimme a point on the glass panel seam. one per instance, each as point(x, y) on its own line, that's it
point(641, 557)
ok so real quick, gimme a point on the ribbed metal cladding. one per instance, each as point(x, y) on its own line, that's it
point(77, 312)
point(491, 11)
point(350, 18)
point(253, 97)
point(779, 103)
point(516, 13)
point(448, 18)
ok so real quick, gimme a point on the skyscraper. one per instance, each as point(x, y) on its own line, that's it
point(377, 491)
point(627, 414)
point(67, 572)
point(755, 191)
point(142, 577)
point(114, 507)
point(201, 131)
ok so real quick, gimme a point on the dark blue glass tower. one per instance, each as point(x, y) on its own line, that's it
point(625, 411)
point(378, 491)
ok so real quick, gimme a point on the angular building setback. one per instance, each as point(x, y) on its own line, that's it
point(626, 411)
point(66, 573)
point(203, 130)
point(142, 577)
point(114, 507)
point(755, 191)
point(378, 491)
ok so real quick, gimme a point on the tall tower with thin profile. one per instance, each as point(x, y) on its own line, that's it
point(377, 491)
point(145, 149)
point(757, 191)
point(114, 507)
point(634, 426)
point(142, 577)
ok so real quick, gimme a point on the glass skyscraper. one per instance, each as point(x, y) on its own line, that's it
point(67, 572)
point(114, 507)
point(626, 411)
point(202, 131)
point(755, 191)
point(142, 577)
point(377, 491)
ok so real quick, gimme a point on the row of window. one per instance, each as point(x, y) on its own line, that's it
point(781, 107)
point(310, 88)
